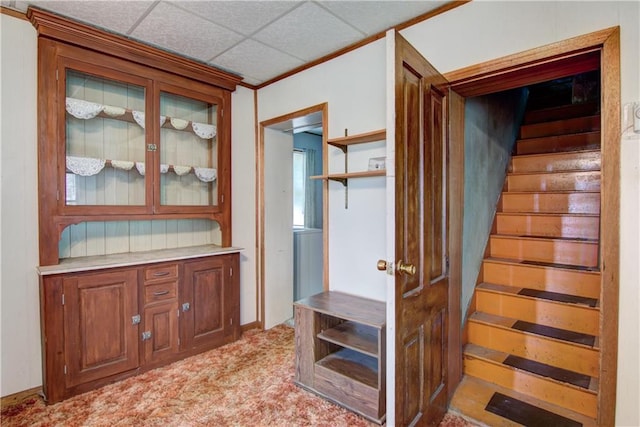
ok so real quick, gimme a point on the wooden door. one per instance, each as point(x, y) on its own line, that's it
point(160, 334)
point(101, 333)
point(421, 277)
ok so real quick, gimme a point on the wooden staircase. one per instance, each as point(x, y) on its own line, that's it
point(532, 353)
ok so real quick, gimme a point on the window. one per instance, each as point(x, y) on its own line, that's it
point(299, 187)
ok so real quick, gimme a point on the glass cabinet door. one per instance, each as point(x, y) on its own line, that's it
point(188, 151)
point(104, 141)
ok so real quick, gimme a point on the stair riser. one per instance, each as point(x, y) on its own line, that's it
point(570, 282)
point(570, 317)
point(588, 203)
point(561, 113)
point(589, 160)
point(550, 226)
point(552, 144)
point(552, 352)
point(560, 127)
point(551, 251)
point(581, 401)
point(567, 181)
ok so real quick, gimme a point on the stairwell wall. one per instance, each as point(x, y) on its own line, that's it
point(491, 128)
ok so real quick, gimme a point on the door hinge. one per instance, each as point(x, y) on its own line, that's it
point(230, 271)
point(231, 321)
point(65, 369)
point(146, 335)
point(57, 195)
point(62, 299)
point(222, 198)
point(56, 75)
point(185, 307)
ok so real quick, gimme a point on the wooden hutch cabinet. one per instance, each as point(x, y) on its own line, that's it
point(130, 133)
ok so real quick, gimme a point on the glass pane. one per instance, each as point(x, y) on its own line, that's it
point(104, 141)
point(188, 151)
point(299, 187)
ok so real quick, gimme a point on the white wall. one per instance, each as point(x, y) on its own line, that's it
point(20, 324)
point(484, 30)
point(354, 87)
point(243, 198)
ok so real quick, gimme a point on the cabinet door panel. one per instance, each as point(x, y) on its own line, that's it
point(204, 291)
point(161, 321)
point(102, 339)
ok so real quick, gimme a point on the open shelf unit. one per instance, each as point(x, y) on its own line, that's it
point(340, 351)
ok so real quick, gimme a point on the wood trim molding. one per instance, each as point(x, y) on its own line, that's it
point(251, 326)
point(20, 397)
point(609, 226)
point(57, 28)
point(260, 252)
point(14, 13)
point(456, 215)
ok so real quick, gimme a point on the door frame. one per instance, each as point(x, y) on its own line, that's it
point(564, 58)
point(260, 205)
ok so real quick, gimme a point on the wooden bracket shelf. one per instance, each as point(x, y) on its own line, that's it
point(343, 143)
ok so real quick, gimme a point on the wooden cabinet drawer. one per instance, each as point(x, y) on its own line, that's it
point(160, 291)
point(162, 271)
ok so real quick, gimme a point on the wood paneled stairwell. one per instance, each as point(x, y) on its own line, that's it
point(532, 352)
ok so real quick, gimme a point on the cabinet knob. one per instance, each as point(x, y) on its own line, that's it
point(382, 265)
point(186, 307)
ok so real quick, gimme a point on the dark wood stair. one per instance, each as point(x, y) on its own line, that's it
point(533, 335)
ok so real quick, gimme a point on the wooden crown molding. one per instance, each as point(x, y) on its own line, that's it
point(12, 12)
point(61, 29)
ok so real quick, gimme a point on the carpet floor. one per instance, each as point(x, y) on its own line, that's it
point(245, 383)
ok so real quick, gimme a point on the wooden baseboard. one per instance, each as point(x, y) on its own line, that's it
point(250, 326)
point(19, 397)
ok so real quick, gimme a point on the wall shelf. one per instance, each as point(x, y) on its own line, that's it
point(343, 143)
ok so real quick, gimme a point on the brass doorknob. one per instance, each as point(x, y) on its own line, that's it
point(409, 269)
point(382, 265)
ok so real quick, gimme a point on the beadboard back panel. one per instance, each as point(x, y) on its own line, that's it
point(110, 237)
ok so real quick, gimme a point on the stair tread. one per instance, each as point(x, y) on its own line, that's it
point(550, 214)
point(555, 154)
point(473, 395)
point(571, 267)
point(541, 370)
point(561, 126)
point(555, 297)
point(565, 111)
point(538, 238)
point(556, 172)
point(563, 136)
point(548, 332)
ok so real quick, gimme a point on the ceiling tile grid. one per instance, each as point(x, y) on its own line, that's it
point(184, 32)
point(257, 39)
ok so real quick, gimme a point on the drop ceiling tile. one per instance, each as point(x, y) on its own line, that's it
point(308, 32)
point(372, 17)
point(255, 60)
point(117, 17)
point(244, 17)
point(185, 33)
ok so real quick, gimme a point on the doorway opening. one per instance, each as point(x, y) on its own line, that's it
point(292, 259)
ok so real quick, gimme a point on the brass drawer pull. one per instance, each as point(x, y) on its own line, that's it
point(160, 293)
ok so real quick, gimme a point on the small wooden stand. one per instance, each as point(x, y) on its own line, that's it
point(340, 351)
